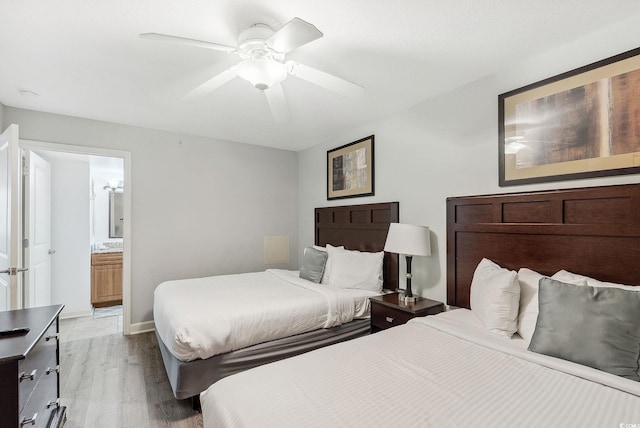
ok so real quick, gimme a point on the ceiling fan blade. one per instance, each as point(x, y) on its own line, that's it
point(277, 103)
point(325, 80)
point(188, 42)
point(210, 85)
point(292, 35)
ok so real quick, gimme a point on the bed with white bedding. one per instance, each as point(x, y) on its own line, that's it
point(209, 328)
point(199, 318)
point(445, 370)
point(532, 345)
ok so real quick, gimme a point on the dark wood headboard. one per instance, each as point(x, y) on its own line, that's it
point(593, 231)
point(362, 228)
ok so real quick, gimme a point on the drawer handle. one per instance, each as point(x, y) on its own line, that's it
point(52, 369)
point(53, 336)
point(55, 403)
point(24, 376)
point(31, 421)
point(389, 319)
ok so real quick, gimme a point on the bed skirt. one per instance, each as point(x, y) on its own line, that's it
point(190, 378)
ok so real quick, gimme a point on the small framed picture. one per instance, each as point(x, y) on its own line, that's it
point(350, 170)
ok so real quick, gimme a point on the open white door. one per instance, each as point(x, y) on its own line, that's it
point(37, 228)
point(10, 220)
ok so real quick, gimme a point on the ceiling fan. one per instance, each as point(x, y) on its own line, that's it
point(263, 63)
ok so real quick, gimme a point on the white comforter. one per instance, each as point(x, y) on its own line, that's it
point(199, 318)
point(438, 371)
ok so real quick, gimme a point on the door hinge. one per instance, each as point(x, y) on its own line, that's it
point(25, 243)
point(25, 168)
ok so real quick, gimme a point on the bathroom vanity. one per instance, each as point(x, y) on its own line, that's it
point(106, 279)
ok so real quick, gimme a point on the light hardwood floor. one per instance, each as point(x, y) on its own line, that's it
point(110, 380)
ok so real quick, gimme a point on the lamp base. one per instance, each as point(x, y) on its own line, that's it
point(406, 299)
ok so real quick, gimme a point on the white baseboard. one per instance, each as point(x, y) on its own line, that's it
point(76, 314)
point(142, 327)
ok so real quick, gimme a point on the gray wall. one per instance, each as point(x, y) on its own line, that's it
point(199, 208)
point(2, 125)
point(203, 208)
point(448, 146)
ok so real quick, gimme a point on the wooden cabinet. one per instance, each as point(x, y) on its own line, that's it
point(388, 310)
point(106, 279)
point(29, 369)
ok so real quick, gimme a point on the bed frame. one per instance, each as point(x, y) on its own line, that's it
point(593, 231)
point(361, 227)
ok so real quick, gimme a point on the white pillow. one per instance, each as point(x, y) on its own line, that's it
point(328, 266)
point(565, 276)
point(495, 296)
point(355, 269)
point(528, 314)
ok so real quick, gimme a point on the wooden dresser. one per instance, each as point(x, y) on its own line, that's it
point(106, 279)
point(29, 369)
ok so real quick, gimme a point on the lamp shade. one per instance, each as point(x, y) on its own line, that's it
point(408, 239)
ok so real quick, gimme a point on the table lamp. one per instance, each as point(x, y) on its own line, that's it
point(410, 240)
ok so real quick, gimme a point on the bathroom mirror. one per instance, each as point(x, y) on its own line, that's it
point(116, 214)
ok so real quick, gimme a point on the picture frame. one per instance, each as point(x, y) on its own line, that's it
point(580, 124)
point(350, 170)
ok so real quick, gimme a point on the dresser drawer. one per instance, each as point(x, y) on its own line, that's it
point(385, 317)
point(32, 372)
point(43, 401)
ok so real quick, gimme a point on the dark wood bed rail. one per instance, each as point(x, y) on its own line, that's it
point(360, 227)
point(594, 231)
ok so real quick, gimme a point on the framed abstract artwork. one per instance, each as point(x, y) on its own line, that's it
point(350, 170)
point(580, 124)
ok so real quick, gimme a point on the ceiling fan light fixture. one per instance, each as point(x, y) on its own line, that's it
point(262, 73)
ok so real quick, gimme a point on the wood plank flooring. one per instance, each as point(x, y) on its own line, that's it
point(116, 381)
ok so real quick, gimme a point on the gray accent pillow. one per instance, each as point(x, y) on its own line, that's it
point(313, 264)
point(593, 326)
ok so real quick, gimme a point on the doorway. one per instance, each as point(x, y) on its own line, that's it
point(68, 163)
point(70, 209)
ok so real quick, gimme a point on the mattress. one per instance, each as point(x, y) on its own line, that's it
point(437, 371)
point(202, 317)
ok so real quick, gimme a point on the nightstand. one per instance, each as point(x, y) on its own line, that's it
point(388, 310)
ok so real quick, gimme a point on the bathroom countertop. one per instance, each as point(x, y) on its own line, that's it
point(106, 250)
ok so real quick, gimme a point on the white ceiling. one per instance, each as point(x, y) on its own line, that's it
point(84, 58)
